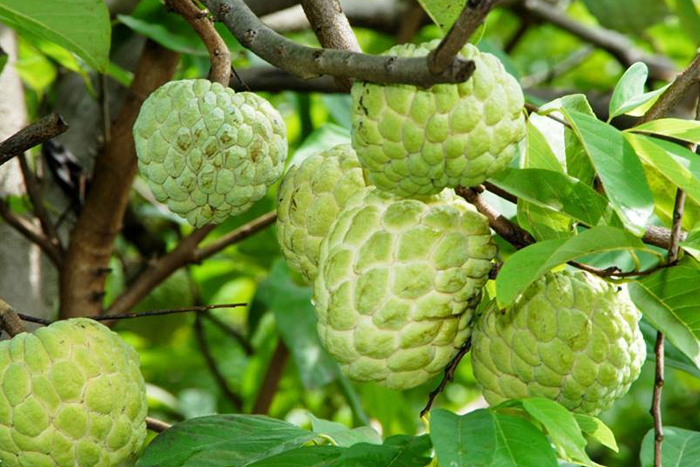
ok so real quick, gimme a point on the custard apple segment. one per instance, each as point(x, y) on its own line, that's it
point(71, 394)
point(571, 337)
point(398, 281)
point(206, 151)
point(416, 142)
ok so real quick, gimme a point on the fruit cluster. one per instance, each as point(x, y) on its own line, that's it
point(397, 260)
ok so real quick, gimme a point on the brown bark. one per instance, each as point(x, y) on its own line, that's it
point(92, 241)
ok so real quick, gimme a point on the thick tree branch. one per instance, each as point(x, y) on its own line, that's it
point(92, 241)
point(185, 253)
point(31, 233)
point(471, 17)
point(310, 62)
point(9, 321)
point(219, 55)
point(48, 127)
point(618, 45)
point(332, 29)
point(668, 100)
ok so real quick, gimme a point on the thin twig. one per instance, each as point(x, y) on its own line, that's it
point(219, 55)
point(550, 115)
point(674, 93)
point(31, 232)
point(449, 375)
point(273, 375)
point(156, 425)
point(9, 320)
point(469, 20)
point(310, 62)
point(48, 127)
point(237, 336)
point(656, 398)
point(241, 233)
point(332, 29)
point(234, 398)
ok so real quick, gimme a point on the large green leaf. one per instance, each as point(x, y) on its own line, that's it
point(628, 16)
point(686, 130)
point(672, 356)
point(162, 35)
point(668, 299)
point(557, 192)
point(296, 320)
point(527, 265)
point(443, 12)
point(344, 436)
point(223, 441)
point(677, 163)
point(485, 438)
point(561, 426)
point(81, 26)
point(618, 168)
point(681, 448)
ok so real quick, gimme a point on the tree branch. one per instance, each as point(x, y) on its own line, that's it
point(310, 62)
point(186, 252)
point(674, 93)
point(271, 79)
point(656, 398)
point(156, 425)
point(219, 55)
point(48, 127)
point(471, 17)
point(92, 241)
point(31, 233)
point(332, 29)
point(618, 45)
point(448, 376)
point(9, 321)
point(273, 375)
point(233, 398)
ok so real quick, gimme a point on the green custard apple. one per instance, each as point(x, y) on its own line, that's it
point(416, 141)
point(310, 197)
point(71, 395)
point(570, 337)
point(206, 151)
point(398, 281)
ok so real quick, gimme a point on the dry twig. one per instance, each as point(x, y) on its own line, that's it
point(48, 127)
point(9, 320)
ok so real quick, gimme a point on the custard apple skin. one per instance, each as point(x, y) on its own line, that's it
point(397, 284)
point(309, 199)
point(71, 394)
point(416, 141)
point(571, 337)
point(207, 152)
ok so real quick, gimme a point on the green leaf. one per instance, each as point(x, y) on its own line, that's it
point(596, 429)
point(691, 244)
point(558, 192)
point(681, 448)
point(677, 163)
point(686, 130)
point(561, 426)
point(81, 26)
point(628, 16)
point(687, 13)
point(529, 264)
point(342, 435)
point(322, 138)
point(312, 456)
point(618, 167)
point(222, 441)
point(443, 12)
point(486, 438)
point(296, 321)
point(628, 90)
point(668, 299)
point(672, 356)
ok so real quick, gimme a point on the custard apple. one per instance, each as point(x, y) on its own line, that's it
point(310, 197)
point(571, 337)
point(206, 151)
point(71, 394)
point(398, 282)
point(416, 141)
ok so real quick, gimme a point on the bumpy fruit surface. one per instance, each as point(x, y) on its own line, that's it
point(310, 197)
point(397, 284)
point(571, 337)
point(207, 152)
point(417, 141)
point(71, 394)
